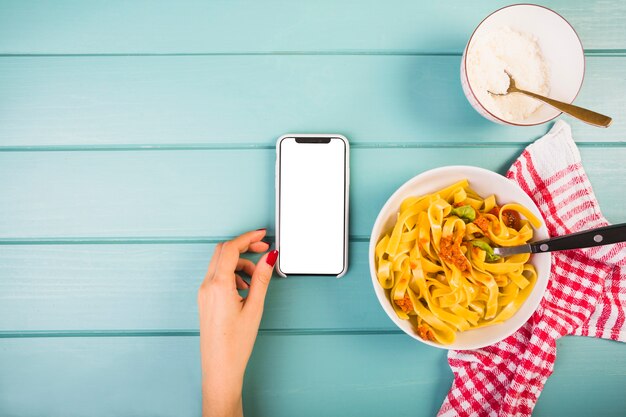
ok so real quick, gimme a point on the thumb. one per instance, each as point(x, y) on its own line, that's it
point(261, 280)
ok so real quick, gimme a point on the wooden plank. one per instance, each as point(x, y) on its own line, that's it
point(74, 27)
point(153, 287)
point(572, 390)
point(182, 193)
point(251, 100)
point(288, 375)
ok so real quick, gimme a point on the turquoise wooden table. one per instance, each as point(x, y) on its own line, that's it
point(134, 136)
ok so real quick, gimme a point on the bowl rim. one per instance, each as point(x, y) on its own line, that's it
point(469, 85)
point(372, 264)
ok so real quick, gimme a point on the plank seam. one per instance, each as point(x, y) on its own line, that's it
point(127, 240)
point(588, 52)
point(22, 334)
point(226, 146)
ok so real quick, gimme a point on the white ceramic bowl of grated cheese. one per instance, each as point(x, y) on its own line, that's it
point(538, 47)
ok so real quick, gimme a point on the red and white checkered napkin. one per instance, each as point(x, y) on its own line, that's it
point(586, 294)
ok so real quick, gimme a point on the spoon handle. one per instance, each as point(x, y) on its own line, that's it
point(585, 115)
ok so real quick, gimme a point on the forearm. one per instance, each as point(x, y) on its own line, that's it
point(223, 369)
point(221, 398)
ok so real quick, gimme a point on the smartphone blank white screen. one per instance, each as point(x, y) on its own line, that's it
point(312, 189)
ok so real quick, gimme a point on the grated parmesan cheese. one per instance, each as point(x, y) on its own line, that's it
point(493, 52)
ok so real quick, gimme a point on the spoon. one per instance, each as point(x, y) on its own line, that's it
point(585, 115)
point(595, 237)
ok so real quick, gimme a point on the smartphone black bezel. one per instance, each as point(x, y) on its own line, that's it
point(317, 140)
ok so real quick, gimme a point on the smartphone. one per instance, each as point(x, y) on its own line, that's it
point(312, 189)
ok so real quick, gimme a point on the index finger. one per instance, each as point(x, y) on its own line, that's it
point(232, 249)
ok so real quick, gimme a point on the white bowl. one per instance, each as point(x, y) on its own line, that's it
point(485, 183)
point(561, 48)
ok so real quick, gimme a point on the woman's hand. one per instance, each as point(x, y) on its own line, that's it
point(229, 323)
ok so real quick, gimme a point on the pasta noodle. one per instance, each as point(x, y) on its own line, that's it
point(438, 267)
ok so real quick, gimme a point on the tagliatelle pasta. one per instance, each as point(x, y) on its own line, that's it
point(438, 267)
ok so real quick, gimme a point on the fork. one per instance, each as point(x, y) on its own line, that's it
point(595, 237)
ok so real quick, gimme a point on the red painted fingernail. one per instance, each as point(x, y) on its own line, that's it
point(271, 258)
point(262, 228)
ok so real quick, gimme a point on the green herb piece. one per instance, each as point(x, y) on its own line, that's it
point(490, 257)
point(467, 213)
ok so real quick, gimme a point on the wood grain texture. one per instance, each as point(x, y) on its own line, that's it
point(287, 376)
point(244, 26)
point(153, 287)
point(251, 100)
point(220, 193)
